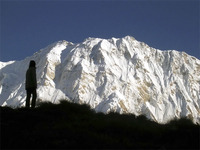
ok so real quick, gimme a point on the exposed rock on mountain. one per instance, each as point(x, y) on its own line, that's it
point(122, 75)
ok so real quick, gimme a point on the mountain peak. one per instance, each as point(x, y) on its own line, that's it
point(117, 74)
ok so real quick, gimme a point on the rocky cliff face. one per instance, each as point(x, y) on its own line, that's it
point(122, 75)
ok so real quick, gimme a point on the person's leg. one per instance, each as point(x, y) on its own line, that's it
point(28, 96)
point(34, 98)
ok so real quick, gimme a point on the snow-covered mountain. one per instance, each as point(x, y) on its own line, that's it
point(118, 74)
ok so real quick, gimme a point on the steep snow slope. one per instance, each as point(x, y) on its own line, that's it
point(122, 75)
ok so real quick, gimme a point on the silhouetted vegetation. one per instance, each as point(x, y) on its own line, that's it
point(69, 125)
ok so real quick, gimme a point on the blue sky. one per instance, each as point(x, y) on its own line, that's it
point(27, 26)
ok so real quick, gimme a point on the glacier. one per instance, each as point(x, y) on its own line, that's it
point(118, 74)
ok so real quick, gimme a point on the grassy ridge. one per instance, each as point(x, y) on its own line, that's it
point(70, 125)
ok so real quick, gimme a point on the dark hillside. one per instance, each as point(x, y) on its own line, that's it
point(70, 125)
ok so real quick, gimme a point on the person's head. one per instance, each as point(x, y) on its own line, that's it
point(32, 64)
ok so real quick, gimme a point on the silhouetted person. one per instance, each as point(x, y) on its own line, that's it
point(31, 84)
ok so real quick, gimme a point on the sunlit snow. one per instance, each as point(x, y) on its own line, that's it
point(118, 74)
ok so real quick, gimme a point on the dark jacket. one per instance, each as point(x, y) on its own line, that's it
point(31, 81)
